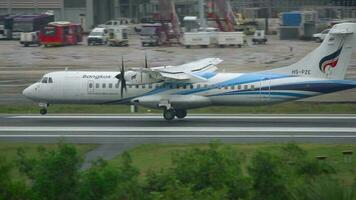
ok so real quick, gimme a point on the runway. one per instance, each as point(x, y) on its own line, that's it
point(143, 129)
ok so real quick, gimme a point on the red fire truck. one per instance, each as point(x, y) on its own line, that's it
point(61, 33)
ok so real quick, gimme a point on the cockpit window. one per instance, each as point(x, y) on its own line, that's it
point(44, 80)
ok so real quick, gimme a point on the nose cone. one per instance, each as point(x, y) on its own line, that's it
point(27, 92)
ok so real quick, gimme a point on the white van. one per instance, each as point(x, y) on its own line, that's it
point(98, 36)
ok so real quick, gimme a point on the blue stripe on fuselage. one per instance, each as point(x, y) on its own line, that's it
point(242, 79)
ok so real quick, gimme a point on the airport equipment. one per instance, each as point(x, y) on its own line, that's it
point(259, 37)
point(298, 24)
point(30, 38)
point(61, 33)
point(191, 24)
point(118, 36)
point(30, 23)
point(196, 39)
point(170, 25)
point(151, 34)
point(176, 89)
point(98, 36)
point(230, 39)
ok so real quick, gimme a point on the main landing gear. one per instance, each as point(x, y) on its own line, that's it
point(170, 114)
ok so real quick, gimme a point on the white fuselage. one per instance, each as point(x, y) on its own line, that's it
point(220, 89)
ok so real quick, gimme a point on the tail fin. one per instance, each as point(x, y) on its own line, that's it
point(331, 59)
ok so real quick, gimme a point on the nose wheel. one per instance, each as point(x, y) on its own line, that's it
point(43, 107)
point(43, 111)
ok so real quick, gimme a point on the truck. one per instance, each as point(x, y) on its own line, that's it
point(118, 36)
point(61, 33)
point(27, 27)
point(151, 34)
point(98, 36)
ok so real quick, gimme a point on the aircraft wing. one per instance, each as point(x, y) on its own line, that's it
point(196, 71)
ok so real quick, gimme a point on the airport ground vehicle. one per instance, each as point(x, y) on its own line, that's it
point(259, 37)
point(29, 23)
point(151, 34)
point(319, 37)
point(61, 33)
point(3, 32)
point(30, 38)
point(118, 36)
point(176, 89)
point(98, 36)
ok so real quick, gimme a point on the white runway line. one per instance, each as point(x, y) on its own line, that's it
point(179, 129)
point(189, 117)
point(179, 136)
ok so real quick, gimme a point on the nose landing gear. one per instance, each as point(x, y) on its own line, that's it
point(43, 111)
point(43, 107)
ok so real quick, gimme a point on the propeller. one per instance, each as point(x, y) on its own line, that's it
point(121, 78)
point(146, 65)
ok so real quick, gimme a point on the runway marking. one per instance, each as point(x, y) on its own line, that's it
point(189, 117)
point(178, 136)
point(178, 129)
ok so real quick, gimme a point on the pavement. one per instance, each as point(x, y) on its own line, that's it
point(143, 129)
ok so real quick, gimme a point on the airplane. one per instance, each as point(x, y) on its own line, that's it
point(176, 89)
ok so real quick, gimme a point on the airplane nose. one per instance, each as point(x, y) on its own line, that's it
point(27, 92)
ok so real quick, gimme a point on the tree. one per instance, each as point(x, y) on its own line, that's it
point(54, 174)
point(9, 189)
point(215, 171)
point(268, 181)
point(98, 182)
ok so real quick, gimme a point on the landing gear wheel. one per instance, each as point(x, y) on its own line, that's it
point(169, 114)
point(43, 111)
point(181, 114)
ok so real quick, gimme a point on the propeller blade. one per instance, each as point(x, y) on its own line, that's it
point(146, 65)
point(122, 78)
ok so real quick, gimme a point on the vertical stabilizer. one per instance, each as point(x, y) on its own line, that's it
point(331, 59)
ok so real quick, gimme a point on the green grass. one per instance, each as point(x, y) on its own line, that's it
point(155, 157)
point(288, 108)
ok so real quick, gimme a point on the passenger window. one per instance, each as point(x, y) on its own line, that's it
point(137, 86)
point(226, 87)
point(90, 85)
point(239, 87)
point(184, 87)
point(50, 80)
point(246, 87)
point(206, 86)
point(191, 87)
point(104, 85)
point(97, 85)
point(252, 87)
point(177, 86)
point(233, 87)
point(110, 85)
point(143, 86)
point(44, 80)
